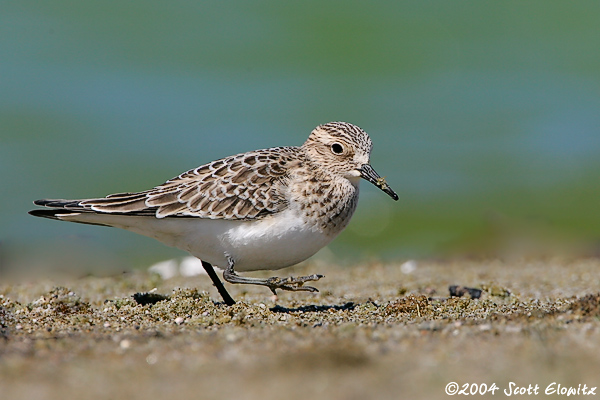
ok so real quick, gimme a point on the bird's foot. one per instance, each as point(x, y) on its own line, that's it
point(293, 284)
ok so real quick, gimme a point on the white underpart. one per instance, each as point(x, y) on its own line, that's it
point(270, 243)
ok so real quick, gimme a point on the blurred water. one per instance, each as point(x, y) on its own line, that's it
point(479, 112)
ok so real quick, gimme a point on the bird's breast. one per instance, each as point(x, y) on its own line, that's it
point(327, 205)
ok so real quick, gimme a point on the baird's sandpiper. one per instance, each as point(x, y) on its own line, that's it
point(260, 210)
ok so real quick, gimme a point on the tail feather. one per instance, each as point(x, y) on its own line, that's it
point(123, 207)
point(114, 200)
point(52, 214)
point(128, 194)
point(60, 214)
point(132, 204)
point(58, 203)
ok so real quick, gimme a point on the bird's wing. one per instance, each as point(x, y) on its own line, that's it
point(241, 187)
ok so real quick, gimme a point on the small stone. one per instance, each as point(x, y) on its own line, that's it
point(179, 320)
point(231, 337)
point(152, 359)
point(460, 291)
point(408, 267)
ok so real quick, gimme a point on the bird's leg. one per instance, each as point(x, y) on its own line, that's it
point(218, 284)
point(294, 284)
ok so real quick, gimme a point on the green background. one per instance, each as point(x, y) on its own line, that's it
point(484, 115)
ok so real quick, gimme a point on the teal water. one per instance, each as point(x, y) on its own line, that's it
point(484, 116)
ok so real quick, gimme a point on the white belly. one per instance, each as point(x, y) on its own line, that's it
point(270, 243)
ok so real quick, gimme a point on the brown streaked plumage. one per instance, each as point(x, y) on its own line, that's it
point(277, 206)
point(241, 187)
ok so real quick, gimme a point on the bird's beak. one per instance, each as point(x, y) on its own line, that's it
point(367, 172)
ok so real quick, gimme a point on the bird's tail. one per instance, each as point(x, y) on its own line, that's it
point(63, 210)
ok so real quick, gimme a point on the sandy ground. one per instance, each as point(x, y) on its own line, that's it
point(373, 331)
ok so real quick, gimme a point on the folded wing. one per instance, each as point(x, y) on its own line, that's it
point(242, 187)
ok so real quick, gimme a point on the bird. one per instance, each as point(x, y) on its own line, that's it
point(260, 210)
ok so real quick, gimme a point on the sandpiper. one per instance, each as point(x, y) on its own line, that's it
point(261, 210)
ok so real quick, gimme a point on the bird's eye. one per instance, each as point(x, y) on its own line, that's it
point(337, 148)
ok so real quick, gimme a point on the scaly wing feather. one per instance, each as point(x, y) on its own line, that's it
point(241, 187)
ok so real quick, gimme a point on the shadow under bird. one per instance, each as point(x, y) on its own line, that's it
point(261, 210)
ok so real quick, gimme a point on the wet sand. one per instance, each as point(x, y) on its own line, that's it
point(373, 331)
